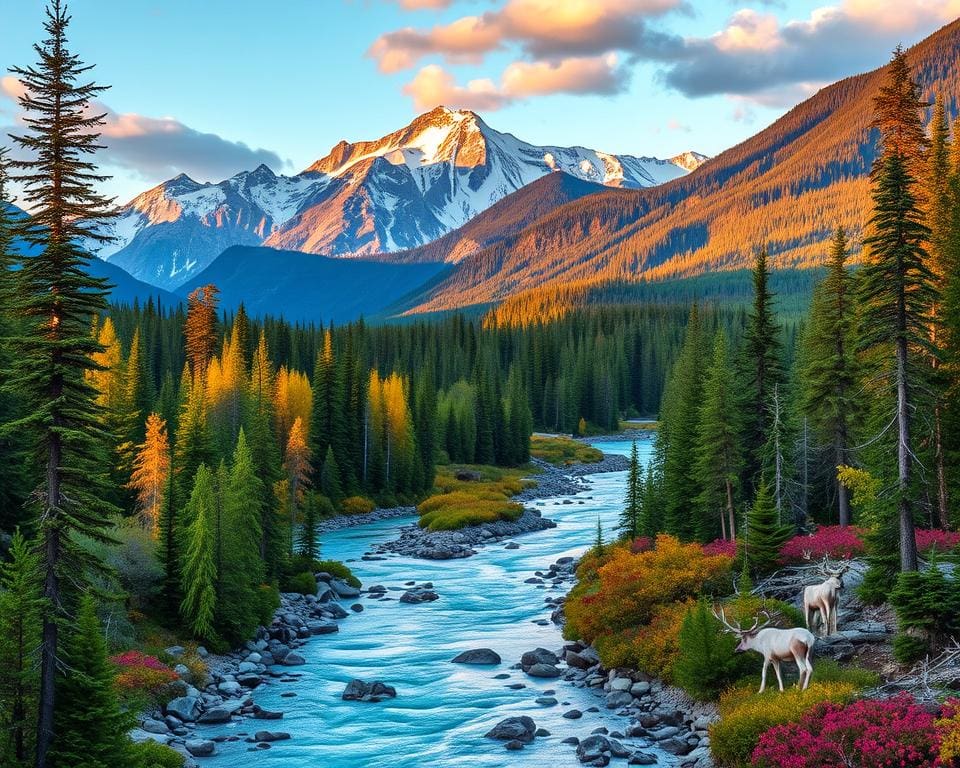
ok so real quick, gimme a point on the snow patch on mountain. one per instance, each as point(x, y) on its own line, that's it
point(370, 197)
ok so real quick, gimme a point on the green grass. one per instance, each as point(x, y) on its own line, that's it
point(563, 451)
point(459, 503)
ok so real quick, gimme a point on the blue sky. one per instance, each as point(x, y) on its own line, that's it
point(210, 87)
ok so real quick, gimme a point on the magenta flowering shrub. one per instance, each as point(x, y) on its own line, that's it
point(944, 541)
point(721, 547)
point(832, 541)
point(641, 544)
point(892, 733)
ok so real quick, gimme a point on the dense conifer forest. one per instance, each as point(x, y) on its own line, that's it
point(163, 468)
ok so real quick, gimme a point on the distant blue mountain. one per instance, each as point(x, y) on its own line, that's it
point(125, 288)
point(309, 288)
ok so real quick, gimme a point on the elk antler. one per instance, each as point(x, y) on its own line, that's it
point(722, 618)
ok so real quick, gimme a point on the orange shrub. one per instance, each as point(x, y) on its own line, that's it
point(652, 648)
point(630, 586)
point(357, 505)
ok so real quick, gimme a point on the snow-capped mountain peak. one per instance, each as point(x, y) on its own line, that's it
point(397, 192)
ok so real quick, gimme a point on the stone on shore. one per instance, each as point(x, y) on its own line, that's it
point(201, 747)
point(521, 729)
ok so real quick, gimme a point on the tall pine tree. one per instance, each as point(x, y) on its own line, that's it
point(57, 299)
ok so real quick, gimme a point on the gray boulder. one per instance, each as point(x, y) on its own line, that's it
point(419, 596)
point(293, 659)
point(185, 707)
point(343, 589)
point(538, 656)
point(521, 729)
point(215, 715)
point(358, 690)
point(542, 670)
point(477, 656)
point(268, 736)
point(201, 747)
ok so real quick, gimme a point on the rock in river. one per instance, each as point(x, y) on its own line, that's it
point(521, 729)
point(477, 656)
point(419, 595)
point(358, 690)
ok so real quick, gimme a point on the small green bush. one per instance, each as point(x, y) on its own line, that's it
point(150, 754)
point(338, 569)
point(926, 608)
point(305, 583)
point(706, 662)
point(268, 600)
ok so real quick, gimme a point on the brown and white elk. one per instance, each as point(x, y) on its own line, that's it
point(823, 599)
point(775, 645)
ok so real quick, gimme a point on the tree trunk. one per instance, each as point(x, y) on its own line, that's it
point(730, 513)
point(843, 494)
point(908, 542)
point(943, 507)
point(51, 591)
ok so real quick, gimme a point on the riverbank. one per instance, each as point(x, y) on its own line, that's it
point(549, 482)
point(256, 711)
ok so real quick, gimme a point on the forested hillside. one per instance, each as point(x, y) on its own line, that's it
point(787, 188)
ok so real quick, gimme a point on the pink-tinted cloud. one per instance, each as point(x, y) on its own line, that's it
point(755, 54)
point(433, 85)
point(160, 147)
point(542, 28)
point(417, 5)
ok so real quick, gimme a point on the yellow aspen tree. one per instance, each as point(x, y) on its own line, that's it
point(298, 470)
point(151, 469)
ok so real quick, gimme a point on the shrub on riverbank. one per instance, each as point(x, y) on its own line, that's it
point(563, 451)
point(705, 662)
point(746, 715)
point(480, 494)
point(621, 590)
point(141, 680)
point(357, 505)
point(866, 733)
point(151, 754)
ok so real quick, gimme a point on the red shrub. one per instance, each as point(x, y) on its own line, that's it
point(721, 547)
point(141, 676)
point(867, 734)
point(944, 541)
point(641, 544)
point(833, 541)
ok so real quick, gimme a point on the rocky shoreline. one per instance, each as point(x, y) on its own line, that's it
point(551, 481)
point(272, 656)
point(655, 714)
point(233, 679)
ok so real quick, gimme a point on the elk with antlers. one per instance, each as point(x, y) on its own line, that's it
point(822, 599)
point(775, 645)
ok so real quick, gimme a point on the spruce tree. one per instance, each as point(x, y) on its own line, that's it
point(677, 432)
point(632, 516)
point(12, 480)
point(90, 726)
point(761, 370)
point(763, 535)
point(830, 371)
point(330, 477)
point(242, 570)
point(20, 610)
point(718, 460)
point(198, 568)
point(896, 284)
point(57, 299)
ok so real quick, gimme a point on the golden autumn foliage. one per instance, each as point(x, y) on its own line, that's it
point(628, 587)
point(651, 648)
point(458, 503)
point(292, 400)
point(788, 187)
point(151, 468)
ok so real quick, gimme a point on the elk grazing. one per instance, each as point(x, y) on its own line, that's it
point(775, 645)
point(822, 599)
